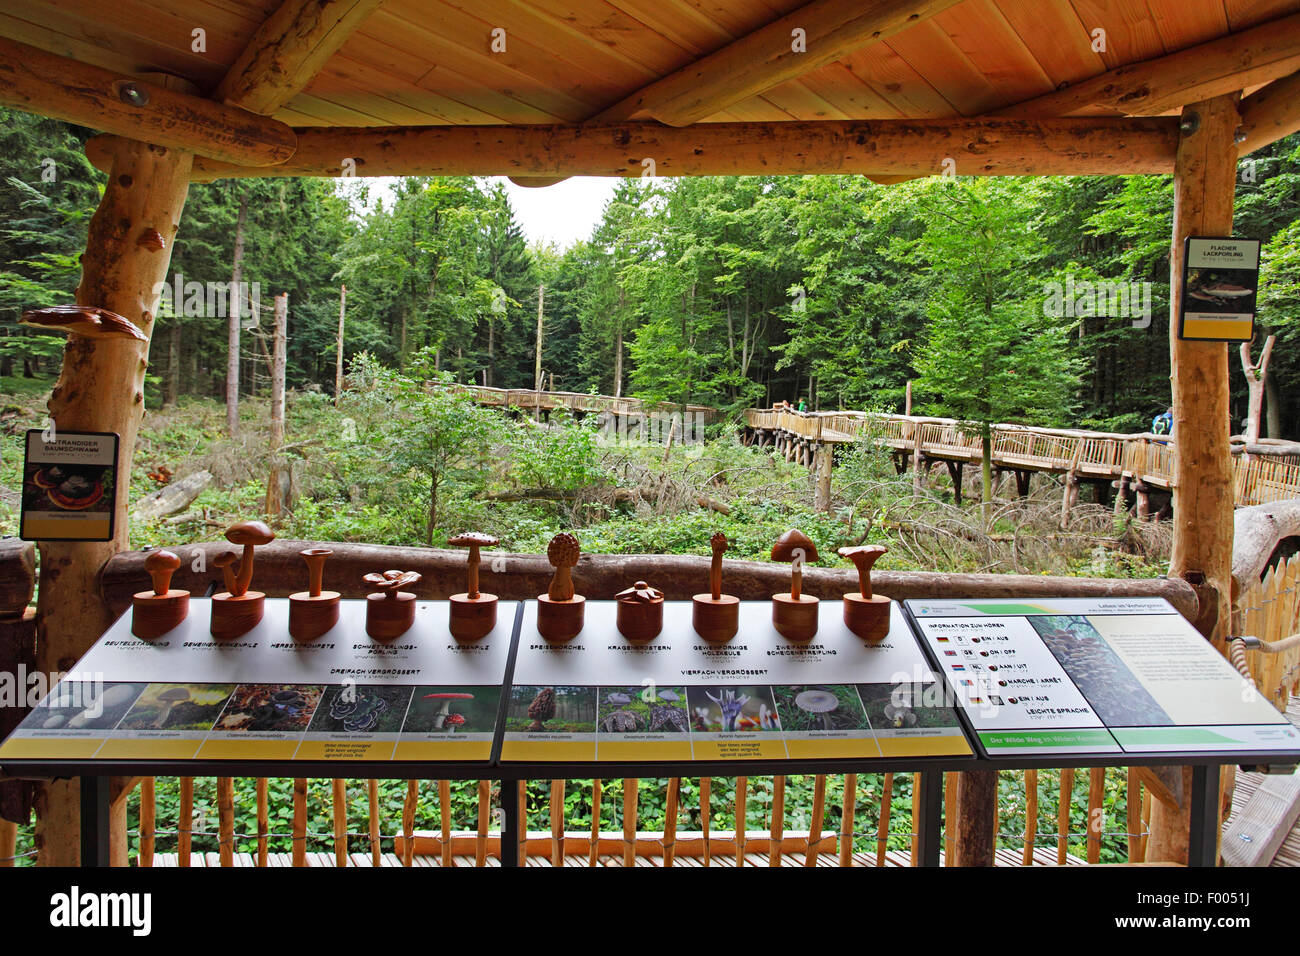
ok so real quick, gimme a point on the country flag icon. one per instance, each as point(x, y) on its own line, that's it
point(949, 653)
point(959, 667)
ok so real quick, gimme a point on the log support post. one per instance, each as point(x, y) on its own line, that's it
point(1205, 174)
point(824, 459)
point(1022, 482)
point(954, 472)
point(977, 808)
point(101, 389)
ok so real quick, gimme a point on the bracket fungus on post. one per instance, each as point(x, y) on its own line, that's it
point(794, 615)
point(560, 611)
point(472, 615)
point(237, 610)
point(154, 613)
point(314, 611)
point(87, 320)
point(866, 614)
point(716, 616)
point(390, 611)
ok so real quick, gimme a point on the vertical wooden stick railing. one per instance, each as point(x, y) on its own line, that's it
point(300, 821)
point(882, 831)
point(263, 820)
point(742, 814)
point(340, 789)
point(557, 823)
point(777, 831)
point(706, 793)
point(444, 819)
point(148, 824)
point(185, 824)
point(1096, 812)
point(630, 787)
point(484, 821)
point(372, 800)
point(1031, 816)
point(815, 826)
point(1063, 816)
point(226, 820)
point(408, 821)
point(670, 820)
point(593, 854)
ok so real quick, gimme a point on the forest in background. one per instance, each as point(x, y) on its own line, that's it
point(723, 291)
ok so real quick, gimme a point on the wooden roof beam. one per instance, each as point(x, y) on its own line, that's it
point(56, 86)
point(979, 147)
point(766, 58)
point(288, 50)
point(1164, 84)
point(1270, 113)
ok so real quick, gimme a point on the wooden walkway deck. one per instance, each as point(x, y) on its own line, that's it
point(1096, 456)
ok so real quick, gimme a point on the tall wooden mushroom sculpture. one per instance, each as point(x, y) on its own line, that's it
point(865, 614)
point(716, 616)
point(313, 612)
point(473, 614)
point(794, 615)
point(560, 612)
point(154, 613)
point(237, 610)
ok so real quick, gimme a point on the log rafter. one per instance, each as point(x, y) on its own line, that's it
point(979, 147)
point(63, 88)
point(1270, 113)
point(1165, 84)
point(288, 50)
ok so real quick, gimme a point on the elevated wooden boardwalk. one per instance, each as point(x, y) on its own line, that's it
point(1143, 459)
point(578, 402)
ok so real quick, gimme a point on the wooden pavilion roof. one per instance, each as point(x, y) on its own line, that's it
point(583, 64)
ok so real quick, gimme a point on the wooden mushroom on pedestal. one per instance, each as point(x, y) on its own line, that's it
point(560, 612)
point(237, 610)
point(472, 615)
point(716, 616)
point(313, 612)
point(390, 611)
point(154, 613)
point(794, 615)
point(865, 614)
point(640, 613)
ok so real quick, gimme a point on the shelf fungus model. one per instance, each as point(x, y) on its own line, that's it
point(237, 610)
point(865, 614)
point(794, 615)
point(390, 611)
point(559, 610)
point(313, 612)
point(473, 614)
point(154, 613)
point(716, 616)
point(640, 613)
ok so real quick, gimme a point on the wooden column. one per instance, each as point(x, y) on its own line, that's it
point(101, 389)
point(1205, 176)
point(977, 807)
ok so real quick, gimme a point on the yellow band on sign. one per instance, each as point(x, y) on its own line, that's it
point(1219, 329)
point(55, 529)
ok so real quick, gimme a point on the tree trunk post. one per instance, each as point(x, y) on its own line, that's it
point(825, 459)
point(338, 356)
point(101, 389)
point(276, 486)
point(977, 805)
point(235, 302)
point(1205, 174)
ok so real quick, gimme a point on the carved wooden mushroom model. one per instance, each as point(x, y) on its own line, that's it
point(472, 614)
point(390, 611)
point(716, 616)
point(640, 614)
point(238, 610)
point(560, 611)
point(794, 615)
point(313, 612)
point(154, 613)
point(865, 614)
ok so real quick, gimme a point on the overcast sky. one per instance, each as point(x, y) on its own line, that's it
point(564, 213)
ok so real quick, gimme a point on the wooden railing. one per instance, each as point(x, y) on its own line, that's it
point(1145, 457)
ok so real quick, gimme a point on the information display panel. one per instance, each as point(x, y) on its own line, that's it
point(265, 696)
point(1094, 676)
point(758, 697)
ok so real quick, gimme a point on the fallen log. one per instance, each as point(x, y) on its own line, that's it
point(172, 497)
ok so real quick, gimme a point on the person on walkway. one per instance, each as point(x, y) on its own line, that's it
point(1163, 424)
point(803, 406)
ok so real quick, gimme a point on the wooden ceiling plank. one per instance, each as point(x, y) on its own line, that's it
point(880, 147)
point(802, 103)
point(933, 54)
point(979, 30)
point(839, 85)
point(1052, 32)
point(602, 24)
point(1131, 32)
point(679, 22)
point(1184, 23)
point(336, 112)
point(1155, 86)
point(1243, 14)
point(764, 58)
point(55, 86)
point(1270, 113)
point(59, 33)
point(893, 77)
point(289, 49)
point(345, 76)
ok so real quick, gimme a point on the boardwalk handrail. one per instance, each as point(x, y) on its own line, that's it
point(1095, 455)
